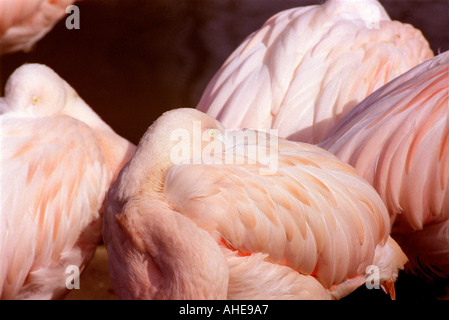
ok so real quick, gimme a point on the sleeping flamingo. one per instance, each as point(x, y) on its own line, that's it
point(57, 161)
point(306, 67)
point(24, 22)
point(398, 140)
point(204, 218)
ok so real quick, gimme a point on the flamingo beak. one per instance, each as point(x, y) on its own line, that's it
point(388, 288)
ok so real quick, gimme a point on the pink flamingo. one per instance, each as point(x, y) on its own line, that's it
point(186, 222)
point(25, 22)
point(306, 67)
point(398, 140)
point(58, 159)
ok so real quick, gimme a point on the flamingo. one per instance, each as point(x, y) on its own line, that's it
point(195, 215)
point(25, 22)
point(398, 140)
point(58, 159)
point(308, 66)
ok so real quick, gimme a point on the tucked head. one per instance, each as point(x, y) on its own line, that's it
point(179, 135)
point(35, 89)
point(175, 137)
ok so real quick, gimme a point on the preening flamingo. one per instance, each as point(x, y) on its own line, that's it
point(57, 161)
point(24, 22)
point(195, 217)
point(398, 140)
point(308, 66)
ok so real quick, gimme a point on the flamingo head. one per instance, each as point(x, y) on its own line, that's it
point(177, 136)
point(38, 91)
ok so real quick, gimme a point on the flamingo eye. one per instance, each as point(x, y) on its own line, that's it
point(215, 134)
point(34, 100)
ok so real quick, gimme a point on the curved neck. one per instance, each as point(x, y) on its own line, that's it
point(183, 260)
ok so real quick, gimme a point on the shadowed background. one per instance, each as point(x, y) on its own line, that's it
point(131, 60)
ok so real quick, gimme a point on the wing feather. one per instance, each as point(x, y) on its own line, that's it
point(397, 140)
point(316, 216)
point(53, 179)
point(308, 66)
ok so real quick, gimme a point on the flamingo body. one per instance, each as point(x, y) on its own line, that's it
point(58, 159)
point(398, 140)
point(207, 227)
point(24, 22)
point(308, 66)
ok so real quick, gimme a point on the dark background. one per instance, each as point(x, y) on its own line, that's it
point(131, 60)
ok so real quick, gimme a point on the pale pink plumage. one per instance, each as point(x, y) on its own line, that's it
point(398, 140)
point(306, 67)
point(24, 22)
point(57, 161)
point(215, 228)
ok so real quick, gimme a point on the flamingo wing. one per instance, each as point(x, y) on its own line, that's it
point(398, 140)
point(24, 22)
point(314, 214)
point(53, 180)
point(307, 66)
